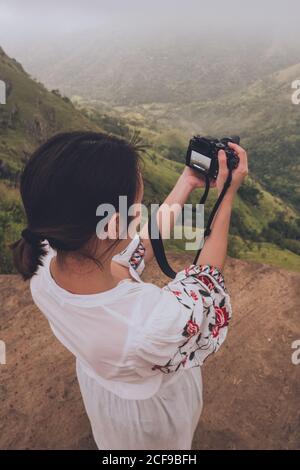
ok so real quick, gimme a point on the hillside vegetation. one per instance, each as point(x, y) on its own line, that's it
point(265, 221)
point(33, 114)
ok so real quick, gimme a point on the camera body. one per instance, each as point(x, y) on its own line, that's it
point(202, 154)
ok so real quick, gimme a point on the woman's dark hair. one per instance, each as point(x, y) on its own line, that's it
point(63, 183)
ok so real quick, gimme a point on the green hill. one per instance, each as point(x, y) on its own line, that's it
point(32, 114)
point(262, 114)
point(269, 124)
point(263, 225)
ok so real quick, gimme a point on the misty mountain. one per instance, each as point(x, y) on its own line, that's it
point(131, 68)
point(262, 114)
point(269, 123)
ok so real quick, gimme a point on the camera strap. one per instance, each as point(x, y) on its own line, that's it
point(157, 243)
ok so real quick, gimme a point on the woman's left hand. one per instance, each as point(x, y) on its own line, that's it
point(194, 179)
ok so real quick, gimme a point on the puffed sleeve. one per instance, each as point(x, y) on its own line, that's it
point(133, 256)
point(190, 325)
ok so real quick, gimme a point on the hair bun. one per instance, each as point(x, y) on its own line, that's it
point(31, 237)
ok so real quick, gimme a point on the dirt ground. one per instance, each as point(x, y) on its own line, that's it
point(251, 387)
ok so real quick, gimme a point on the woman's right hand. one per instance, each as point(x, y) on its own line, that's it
point(238, 175)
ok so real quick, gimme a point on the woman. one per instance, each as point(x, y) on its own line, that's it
point(138, 347)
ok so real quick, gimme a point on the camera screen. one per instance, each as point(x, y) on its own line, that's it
point(200, 160)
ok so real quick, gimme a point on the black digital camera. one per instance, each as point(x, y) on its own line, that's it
point(202, 154)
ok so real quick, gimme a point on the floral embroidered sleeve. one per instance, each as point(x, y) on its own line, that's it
point(132, 256)
point(194, 322)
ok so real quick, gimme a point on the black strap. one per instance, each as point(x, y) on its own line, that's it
point(157, 243)
point(207, 231)
point(158, 246)
point(217, 205)
point(207, 186)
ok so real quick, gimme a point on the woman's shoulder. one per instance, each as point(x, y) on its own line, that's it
point(148, 292)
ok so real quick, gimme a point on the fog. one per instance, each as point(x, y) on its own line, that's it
point(21, 20)
point(81, 45)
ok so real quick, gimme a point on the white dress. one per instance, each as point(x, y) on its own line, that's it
point(139, 349)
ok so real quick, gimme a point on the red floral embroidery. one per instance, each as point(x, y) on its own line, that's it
point(189, 270)
point(177, 293)
point(222, 316)
point(206, 281)
point(184, 361)
point(215, 331)
point(192, 328)
point(222, 319)
point(137, 257)
point(202, 330)
point(194, 295)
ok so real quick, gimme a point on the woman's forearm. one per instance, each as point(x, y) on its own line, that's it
point(214, 251)
point(168, 213)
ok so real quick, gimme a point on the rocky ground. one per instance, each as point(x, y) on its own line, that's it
point(251, 387)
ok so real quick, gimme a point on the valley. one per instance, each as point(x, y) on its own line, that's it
point(265, 220)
